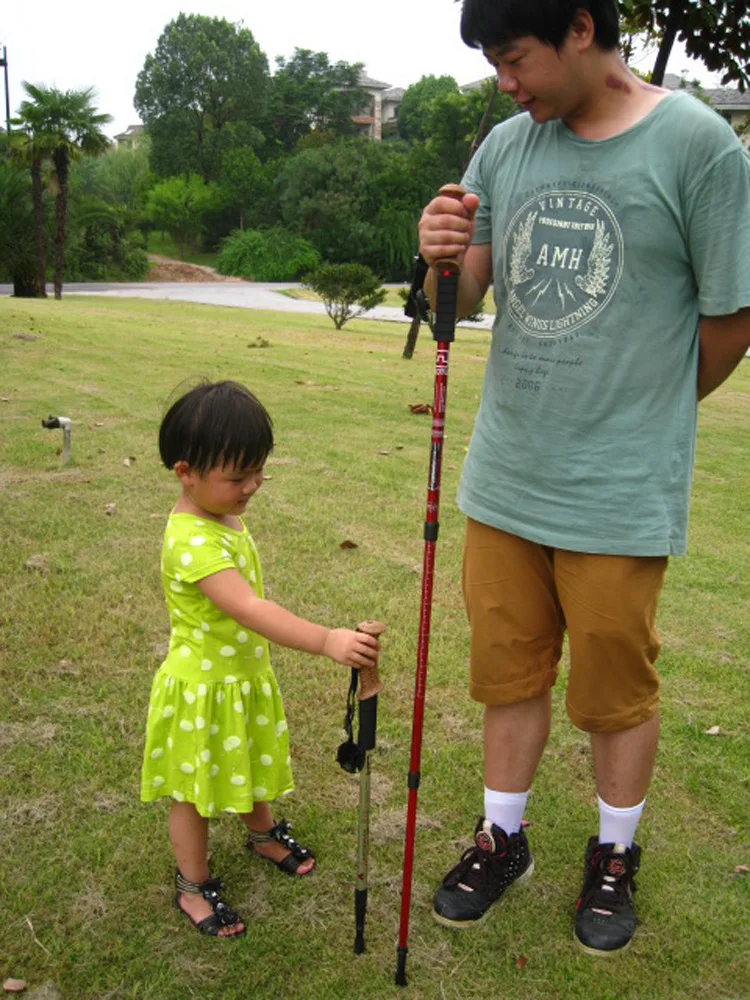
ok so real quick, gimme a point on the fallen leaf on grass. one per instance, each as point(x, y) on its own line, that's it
point(420, 407)
point(38, 563)
point(383, 452)
point(348, 544)
point(67, 667)
point(129, 460)
point(98, 423)
point(713, 731)
point(110, 508)
point(299, 381)
point(521, 961)
point(14, 985)
point(742, 870)
point(4, 399)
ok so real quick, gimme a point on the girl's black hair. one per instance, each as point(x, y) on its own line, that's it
point(216, 424)
point(497, 22)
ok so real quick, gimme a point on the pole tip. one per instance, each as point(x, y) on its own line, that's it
point(401, 967)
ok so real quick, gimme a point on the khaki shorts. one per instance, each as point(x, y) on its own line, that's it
point(521, 597)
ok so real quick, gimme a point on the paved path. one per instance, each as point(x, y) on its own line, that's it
point(240, 295)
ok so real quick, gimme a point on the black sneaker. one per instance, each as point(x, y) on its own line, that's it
point(605, 917)
point(482, 875)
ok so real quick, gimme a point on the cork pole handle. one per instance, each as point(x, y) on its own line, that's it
point(370, 683)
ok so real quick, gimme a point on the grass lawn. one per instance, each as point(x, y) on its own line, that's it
point(86, 869)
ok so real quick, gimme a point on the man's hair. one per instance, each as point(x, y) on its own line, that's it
point(216, 424)
point(497, 22)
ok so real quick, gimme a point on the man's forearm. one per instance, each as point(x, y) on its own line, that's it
point(724, 341)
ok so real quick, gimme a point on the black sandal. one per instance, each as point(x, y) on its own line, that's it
point(223, 915)
point(280, 833)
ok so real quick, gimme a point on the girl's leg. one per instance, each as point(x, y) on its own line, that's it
point(189, 834)
point(260, 820)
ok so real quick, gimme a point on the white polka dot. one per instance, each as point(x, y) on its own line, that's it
point(205, 627)
point(214, 770)
point(157, 782)
point(258, 652)
point(197, 540)
point(170, 742)
point(238, 707)
point(175, 586)
point(200, 722)
point(186, 768)
point(202, 690)
point(178, 796)
point(238, 779)
point(242, 637)
point(178, 577)
point(253, 578)
point(219, 696)
point(158, 752)
point(242, 562)
point(197, 634)
point(259, 791)
point(261, 720)
point(184, 651)
point(249, 742)
point(167, 712)
point(213, 729)
point(189, 697)
point(228, 651)
point(266, 759)
point(288, 761)
point(229, 809)
point(170, 543)
point(177, 613)
point(231, 743)
point(225, 554)
point(266, 689)
point(230, 679)
point(196, 789)
point(206, 665)
point(197, 762)
point(186, 558)
point(205, 756)
point(186, 726)
point(199, 524)
point(281, 727)
point(245, 687)
point(211, 807)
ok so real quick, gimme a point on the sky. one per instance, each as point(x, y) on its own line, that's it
point(91, 44)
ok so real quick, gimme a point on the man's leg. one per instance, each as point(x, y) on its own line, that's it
point(516, 640)
point(610, 607)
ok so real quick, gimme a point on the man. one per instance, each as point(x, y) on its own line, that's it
point(614, 219)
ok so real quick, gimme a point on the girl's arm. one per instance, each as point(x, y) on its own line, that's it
point(233, 595)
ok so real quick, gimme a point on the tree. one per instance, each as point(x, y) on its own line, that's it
point(266, 255)
point(310, 94)
point(65, 126)
point(178, 205)
point(715, 31)
point(347, 290)
point(17, 244)
point(412, 123)
point(202, 93)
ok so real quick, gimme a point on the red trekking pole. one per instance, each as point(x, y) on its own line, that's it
point(444, 332)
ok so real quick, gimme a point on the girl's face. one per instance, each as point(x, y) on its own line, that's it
point(223, 491)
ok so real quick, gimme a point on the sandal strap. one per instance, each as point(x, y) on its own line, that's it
point(280, 833)
point(223, 914)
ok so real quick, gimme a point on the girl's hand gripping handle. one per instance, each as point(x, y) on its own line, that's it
point(370, 683)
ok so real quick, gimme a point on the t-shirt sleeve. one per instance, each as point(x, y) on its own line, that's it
point(718, 230)
point(195, 556)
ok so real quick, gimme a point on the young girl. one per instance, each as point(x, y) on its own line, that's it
point(217, 737)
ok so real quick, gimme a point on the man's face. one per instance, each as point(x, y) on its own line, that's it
point(538, 77)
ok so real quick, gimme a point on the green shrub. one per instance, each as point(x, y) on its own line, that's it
point(347, 290)
point(266, 255)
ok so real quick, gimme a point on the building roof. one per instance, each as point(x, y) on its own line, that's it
point(721, 98)
point(370, 84)
point(393, 94)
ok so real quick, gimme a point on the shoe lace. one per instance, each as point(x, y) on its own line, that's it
point(475, 868)
point(611, 886)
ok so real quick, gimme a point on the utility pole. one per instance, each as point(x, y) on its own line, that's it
point(4, 64)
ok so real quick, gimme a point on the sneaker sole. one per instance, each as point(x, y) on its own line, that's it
point(598, 952)
point(459, 925)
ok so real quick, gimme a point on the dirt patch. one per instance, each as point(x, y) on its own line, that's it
point(168, 269)
point(38, 733)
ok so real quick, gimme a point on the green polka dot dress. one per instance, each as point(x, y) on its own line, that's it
point(216, 734)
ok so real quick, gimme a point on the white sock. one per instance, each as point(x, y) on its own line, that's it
point(505, 809)
point(617, 826)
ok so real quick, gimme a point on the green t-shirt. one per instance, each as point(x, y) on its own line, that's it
point(604, 254)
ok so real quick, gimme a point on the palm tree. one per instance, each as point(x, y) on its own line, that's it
point(30, 147)
point(63, 126)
